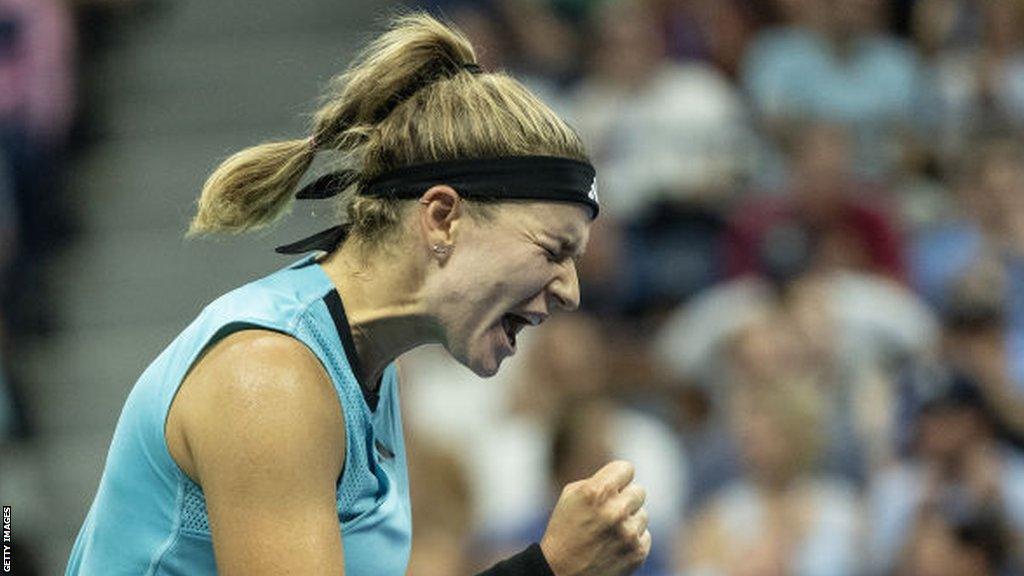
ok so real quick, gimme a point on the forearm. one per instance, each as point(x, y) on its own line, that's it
point(529, 562)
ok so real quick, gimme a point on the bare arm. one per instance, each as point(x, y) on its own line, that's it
point(263, 433)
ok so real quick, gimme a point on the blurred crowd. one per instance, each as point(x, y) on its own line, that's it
point(37, 106)
point(803, 302)
point(45, 119)
point(43, 124)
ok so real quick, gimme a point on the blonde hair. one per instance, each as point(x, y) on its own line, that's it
point(370, 116)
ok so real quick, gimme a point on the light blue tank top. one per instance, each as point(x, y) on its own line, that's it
point(149, 518)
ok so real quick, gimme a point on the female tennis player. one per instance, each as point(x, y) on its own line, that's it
point(267, 439)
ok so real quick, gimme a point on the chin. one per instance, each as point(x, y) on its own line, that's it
point(485, 368)
point(484, 363)
point(479, 357)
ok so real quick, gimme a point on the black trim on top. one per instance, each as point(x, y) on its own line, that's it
point(337, 310)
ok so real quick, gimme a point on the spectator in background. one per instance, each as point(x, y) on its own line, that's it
point(714, 31)
point(442, 509)
point(782, 516)
point(8, 416)
point(9, 221)
point(503, 428)
point(529, 39)
point(544, 44)
point(975, 57)
point(833, 62)
point(958, 464)
point(583, 432)
point(852, 230)
point(36, 107)
point(656, 129)
point(956, 543)
point(565, 364)
point(987, 238)
point(671, 142)
point(975, 343)
point(37, 103)
point(877, 320)
point(941, 247)
point(479, 21)
point(853, 329)
point(8, 247)
point(503, 425)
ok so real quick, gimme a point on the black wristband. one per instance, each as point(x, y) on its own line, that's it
point(529, 562)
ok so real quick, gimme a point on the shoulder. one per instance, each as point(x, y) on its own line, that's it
point(255, 396)
point(261, 363)
point(266, 440)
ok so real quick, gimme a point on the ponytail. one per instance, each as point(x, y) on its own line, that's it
point(413, 95)
point(252, 188)
point(416, 51)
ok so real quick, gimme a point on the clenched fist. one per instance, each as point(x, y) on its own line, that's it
point(599, 525)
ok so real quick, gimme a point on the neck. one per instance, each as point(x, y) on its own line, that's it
point(384, 306)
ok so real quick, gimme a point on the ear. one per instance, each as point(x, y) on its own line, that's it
point(440, 214)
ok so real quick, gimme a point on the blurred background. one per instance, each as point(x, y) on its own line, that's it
point(803, 303)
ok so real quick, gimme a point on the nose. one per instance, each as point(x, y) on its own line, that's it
point(565, 288)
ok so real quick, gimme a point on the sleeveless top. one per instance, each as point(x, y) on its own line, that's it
point(149, 518)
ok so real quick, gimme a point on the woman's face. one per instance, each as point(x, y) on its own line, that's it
point(506, 273)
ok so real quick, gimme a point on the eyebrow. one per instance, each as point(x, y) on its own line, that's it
point(569, 246)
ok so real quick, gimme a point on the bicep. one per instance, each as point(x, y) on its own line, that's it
point(267, 438)
point(296, 535)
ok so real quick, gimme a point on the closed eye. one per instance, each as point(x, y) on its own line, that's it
point(563, 254)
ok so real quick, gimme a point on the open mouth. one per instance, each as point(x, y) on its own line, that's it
point(512, 323)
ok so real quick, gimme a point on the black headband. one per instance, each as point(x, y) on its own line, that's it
point(546, 178)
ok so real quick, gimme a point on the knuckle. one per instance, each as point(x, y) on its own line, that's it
point(570, 488)
point(608, 517)
point(625, 512)
point(638, 555)
point(625, 532)
point(637, 493)
point(613, 516)
point(579, 490)
point(591, 493)
point(641, 548)
point(634, 554)
point(621, 514)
